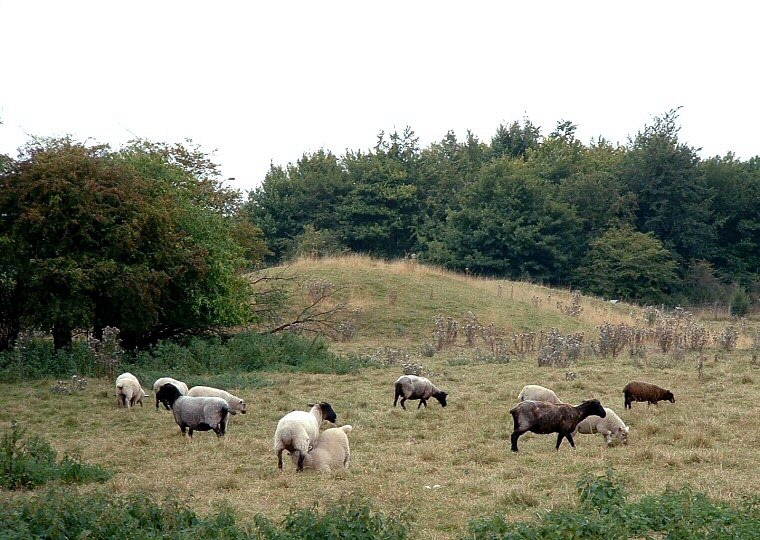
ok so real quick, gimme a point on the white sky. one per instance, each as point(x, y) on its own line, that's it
point(263, 82)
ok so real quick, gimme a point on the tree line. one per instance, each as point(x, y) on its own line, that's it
point(648, 221)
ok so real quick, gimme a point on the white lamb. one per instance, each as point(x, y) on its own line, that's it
point(610, 426)
point(534, 392)
point(128, 390)
point(182, 387)
point(298, 431)
point(332, 451)
point(234, 402)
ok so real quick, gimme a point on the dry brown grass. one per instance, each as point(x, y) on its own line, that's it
point(708, 438)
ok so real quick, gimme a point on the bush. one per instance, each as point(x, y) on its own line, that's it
point(604, 513)
point(27, 463)
point(66, 514)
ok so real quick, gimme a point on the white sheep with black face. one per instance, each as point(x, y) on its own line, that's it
point(332, 451)
point(129, 391)
point(196, 413)
point(182, 387)
point(610, 427)
point(298, 432)
point(233, 401)
point(414, 387)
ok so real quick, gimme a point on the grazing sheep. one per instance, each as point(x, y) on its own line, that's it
point(196, 413)
point(331, 452)
point(414, 387)
point(642, 391)
point(182, 387)
point(234, 402)
point(129, 391)
point(534, 392)
point(610, 426)
point(544, 417)
point(298, 431)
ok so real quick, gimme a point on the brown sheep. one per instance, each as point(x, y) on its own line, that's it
point(641, 391)
point(544, 417)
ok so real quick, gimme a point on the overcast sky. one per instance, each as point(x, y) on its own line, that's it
point(262, 82)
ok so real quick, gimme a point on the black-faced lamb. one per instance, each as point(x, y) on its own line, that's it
point(235, 403)
point(298, 431)
point(534, 392)
point(544, 417)
point(414, 387)
point(611, 426)
point(196, 413)
point(330, 453)
point(643, 391)
point(182, 387)
point(129, 391)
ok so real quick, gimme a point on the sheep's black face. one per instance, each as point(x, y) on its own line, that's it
point(670, 397)
point(168, 394)
point(441, 397)
point(327, 412)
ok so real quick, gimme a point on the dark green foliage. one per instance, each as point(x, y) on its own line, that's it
point(740, 302)
point(102, 516)
point(194, 360)
point(624, 263)
point(604, 514)
point(139, 239)
point(26, 463)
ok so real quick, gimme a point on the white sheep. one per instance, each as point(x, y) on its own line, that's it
point(610, 426)
point(298, 431)
point(234, 402)
point(196, 413)
point(129, 391)
point(332, 451)
point(414, 387)
point(534, 392)
point(182, 387)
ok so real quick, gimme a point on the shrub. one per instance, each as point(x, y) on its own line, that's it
point(27, 463)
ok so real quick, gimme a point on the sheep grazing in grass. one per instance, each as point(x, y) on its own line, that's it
point(182, 387)
point(298, 432)
point(642, 391)
point(414, 387)
point(332, 451)
point(235, 403)
point(611, 426)
point(544, 417)
point(129, 391)
point(534, 392)
point(196, 413)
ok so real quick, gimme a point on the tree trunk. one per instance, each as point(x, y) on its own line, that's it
point(61, 336)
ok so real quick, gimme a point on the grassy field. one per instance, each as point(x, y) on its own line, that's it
point(710, 438)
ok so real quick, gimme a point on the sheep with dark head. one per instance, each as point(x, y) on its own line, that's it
point(414, 387)
point(544, 417)
point(642, 391)
point(298, 432)
point(196, 413)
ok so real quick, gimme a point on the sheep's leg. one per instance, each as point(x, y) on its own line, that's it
point(190, 432)
point(183, 429)
point(559, 439)
point(397, 395)
point(516, 435)
point(569, 438)
point(279, 458)
point(422, 402)
point(403, 400)
point(300, 461)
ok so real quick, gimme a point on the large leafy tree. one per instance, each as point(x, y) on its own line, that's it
point(509, 224)
point(625, 263)
point(673, 200)
point(139, 239)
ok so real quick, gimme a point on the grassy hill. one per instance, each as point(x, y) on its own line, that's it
point(710, 438)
